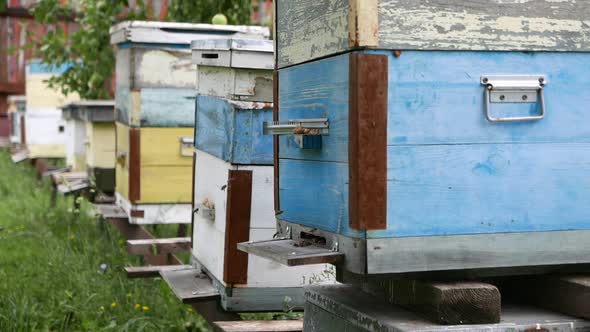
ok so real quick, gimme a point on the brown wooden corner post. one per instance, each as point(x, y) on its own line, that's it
point(134, 165)
point(367, 151)
point(237, 226)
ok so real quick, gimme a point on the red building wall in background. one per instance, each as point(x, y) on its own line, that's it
point(15, 21)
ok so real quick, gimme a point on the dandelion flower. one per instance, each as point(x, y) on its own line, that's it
point(145, 308)
point(114, 305)
point(137, 306)
point(189, 309)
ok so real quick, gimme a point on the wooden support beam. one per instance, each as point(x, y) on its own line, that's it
point(138, 232)
point(152, 271)
point(190, 285)
point(260, 326)
point(158, 246)
point(19, 156)
point(291, 253)
point(448, 303)
point(212, 312)
point(110, 211)
point(569, 295)
point(73, 187)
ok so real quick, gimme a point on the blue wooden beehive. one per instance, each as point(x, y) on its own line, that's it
point(451, 136)
point(233, 177)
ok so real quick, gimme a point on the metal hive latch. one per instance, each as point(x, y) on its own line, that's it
point(307, 132)
point(313, 127)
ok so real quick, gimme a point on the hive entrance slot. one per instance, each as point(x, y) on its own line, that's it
point(310, 239)
point(210, 56)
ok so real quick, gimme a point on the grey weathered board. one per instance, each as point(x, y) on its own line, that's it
point(261, 326)
point(347, 308)
point(110, 211)
point(158, 246)
point(73, 187)
point(290, 253)
point(310, 29)
point(190, 285)
point(19, 156)
point(153, 270)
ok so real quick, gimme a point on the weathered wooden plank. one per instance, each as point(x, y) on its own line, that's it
point(110, 211)
point(363, 16)
point(309, 30)
point(153, 270)
point(541, 25)
point(447, 303)
point(566, 294)
point(232, 131)
point(190, 285)
point(367, 150)
point(444, 104)
point(237, 226)
point(319, 89)
point(19, 156)
point(158, 246)
point(486, 188)
point(292, 253)
point(261, 326)
point(347, 308)
point(73, 187)
point(479, 251)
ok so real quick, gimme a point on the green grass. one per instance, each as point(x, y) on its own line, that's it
point(50, 275)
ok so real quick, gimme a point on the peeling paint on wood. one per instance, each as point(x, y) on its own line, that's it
point(309, 30)
point(539, 25)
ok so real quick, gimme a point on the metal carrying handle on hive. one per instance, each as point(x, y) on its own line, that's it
point(514, 89)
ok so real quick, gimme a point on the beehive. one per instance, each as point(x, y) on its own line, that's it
point(452, 134)
point(45, 128)
point(90, 127)
point(16, 109)
point(155, 115)
point(233, 180)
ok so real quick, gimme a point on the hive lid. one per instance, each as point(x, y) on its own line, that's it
point(90, 110)
point(17, 99)
point(179, 33)
point(234, 52)
point(89, 103)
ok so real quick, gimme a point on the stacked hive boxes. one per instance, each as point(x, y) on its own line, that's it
point(45, 128)
point(433, 160)
point(155, 116)
point(90, 144)
point(233, 180)
point(16, 109)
